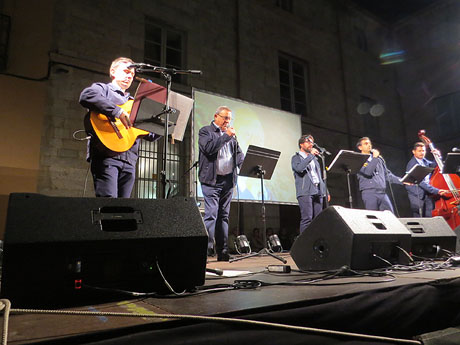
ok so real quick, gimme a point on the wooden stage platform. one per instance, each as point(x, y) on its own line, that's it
point(397, 305)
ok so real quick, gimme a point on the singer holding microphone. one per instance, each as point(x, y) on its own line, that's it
point(219, 158)
point(309, 185)
point(372, 178)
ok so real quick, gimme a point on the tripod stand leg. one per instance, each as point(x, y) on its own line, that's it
point(243, 257)
point(266, 251)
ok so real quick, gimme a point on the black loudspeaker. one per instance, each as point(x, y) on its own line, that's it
point(457, 233)
point(63, 251)
point(430, 236)
point(360, 239)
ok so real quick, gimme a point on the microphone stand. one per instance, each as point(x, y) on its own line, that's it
point(322, 153)
point(166, 73)
point(194, 165)
point(387, 179)
point(323, 160)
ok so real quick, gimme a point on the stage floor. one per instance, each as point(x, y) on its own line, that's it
point(392, 305)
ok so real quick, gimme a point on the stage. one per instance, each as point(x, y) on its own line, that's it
point(397, 305)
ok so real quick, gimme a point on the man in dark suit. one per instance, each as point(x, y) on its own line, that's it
point(373, 178)
point(309, 185)
point(219, 157)
point(420, 196)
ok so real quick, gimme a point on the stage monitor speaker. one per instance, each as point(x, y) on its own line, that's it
point(431, 237)
point(359, 239)
point(457, 233)
point(63, 251)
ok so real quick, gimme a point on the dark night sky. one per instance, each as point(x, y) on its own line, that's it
point(393, 10)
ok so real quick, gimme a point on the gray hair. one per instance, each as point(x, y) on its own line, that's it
point(222, 108)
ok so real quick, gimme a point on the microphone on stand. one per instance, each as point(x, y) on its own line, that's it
point(137, 65)
point(455, 149)
point(159, 69)
point(321, 149)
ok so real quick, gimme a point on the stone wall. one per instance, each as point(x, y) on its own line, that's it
point(236, 44)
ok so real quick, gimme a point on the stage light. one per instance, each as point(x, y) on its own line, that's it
point(274, 243)
point(242, 245)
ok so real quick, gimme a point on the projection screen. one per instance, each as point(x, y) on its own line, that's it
point(254, 125)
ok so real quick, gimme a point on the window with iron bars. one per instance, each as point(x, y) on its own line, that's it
point(150, 165)
point(163, 46)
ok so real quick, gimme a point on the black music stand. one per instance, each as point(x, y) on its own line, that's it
point(167, 112)
point(260, 163)
point(348, 162)
point(150, 116)
point(452, 164)
point(414, 176)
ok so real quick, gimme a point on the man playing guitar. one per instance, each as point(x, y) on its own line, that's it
point(113, 170)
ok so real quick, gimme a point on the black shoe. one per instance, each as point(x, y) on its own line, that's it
point(211, 252)
point(223, 257)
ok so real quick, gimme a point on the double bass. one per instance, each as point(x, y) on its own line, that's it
point(448, 204)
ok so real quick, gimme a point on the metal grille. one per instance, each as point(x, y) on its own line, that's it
point(146, 186)
point(149, 167)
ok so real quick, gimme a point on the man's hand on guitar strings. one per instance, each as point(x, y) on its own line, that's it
point(124, 118)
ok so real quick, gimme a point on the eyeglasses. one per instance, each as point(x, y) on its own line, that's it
point(226, 118)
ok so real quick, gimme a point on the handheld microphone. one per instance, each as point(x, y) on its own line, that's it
point(380, 156)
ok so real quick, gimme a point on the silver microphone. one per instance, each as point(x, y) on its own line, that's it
point(137, 65)
point(380, 156)
point(321, 149)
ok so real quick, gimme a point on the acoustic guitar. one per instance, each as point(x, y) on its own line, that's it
point(113, 134)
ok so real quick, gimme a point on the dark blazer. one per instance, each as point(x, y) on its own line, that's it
point(372, 175)
point(210, 141)
point(424, 188)
point(303, 178)
point(104, 98)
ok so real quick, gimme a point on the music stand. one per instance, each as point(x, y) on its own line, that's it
point(154, 107)
point(260, 163)
point(150, 116)
point(452, 164)
point(348, 162)
point(416, 175)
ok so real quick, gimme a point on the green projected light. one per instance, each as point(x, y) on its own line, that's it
point(255, 125)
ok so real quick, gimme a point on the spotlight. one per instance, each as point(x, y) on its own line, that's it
point(242, 245)
point(274, 244)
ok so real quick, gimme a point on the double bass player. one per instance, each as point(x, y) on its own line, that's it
point(420, 196)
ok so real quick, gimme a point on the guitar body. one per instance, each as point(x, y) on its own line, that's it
point(113, 134)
